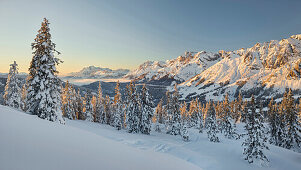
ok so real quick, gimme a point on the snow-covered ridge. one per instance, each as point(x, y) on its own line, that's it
point(98, 73)
point(182, 68)
point(272, 66)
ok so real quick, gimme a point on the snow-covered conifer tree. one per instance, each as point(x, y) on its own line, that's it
point(23, 97)
point(159, 117)
point(210, 123)
point(133, 111)
point(175, 118)
point(184, 132)
point(184, 114)
point(107, 110)
point(44, 86)
point(238, 104)
point(276, 125)
point(117, 108)
point(100, 114)
point(68, 102)
point(227, 124)
point(293, 130)
point(79, 107)
point(12, 92)
point(88, 109)
point(146, 105)
point(201, 117)
point(255, 142)
point(193, 120)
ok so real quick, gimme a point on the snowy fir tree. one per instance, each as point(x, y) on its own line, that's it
point(293, 130)
point(226, 125)
point(175, 114)
point(184, 121)
point(238, 108)
point(184, 113)
point(201, 117)
point(159, 117)
point(184, 132)
point(88, 109)
point(23, 97)
point(193, 113)
point(43, 97)
point(94, 104)
point(12, 91)
point(254, 144)
point(79, 106)
point(68, 100)
point(133, 111)
point(276, 124)
point(168, 112)
point(100, 114)
point(210, 123)
point(117, 108)
point(107, 110)
point(146, 110)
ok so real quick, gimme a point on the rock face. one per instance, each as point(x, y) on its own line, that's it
point(98, 73)
point(265, 70)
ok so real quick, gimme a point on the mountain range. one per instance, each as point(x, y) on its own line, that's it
point(265, 70)
point(93, 72)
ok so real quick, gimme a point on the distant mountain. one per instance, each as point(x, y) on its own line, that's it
point(179, 69)
point(93, 72)
point(265, 70)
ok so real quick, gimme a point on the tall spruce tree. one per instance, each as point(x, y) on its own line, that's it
point(146, 110)
point(159, 116)
point(255, 142)
point(210, 123)
point(193, 120)
point(227, 124)
point(133, 111)
point(175, 114)
point(12, 91)
point(68, 102)
point(107, 110)
point(293, 130)
point(100, 114)
point(79, 107)
point(23, 97)
point(44, 86)
point(88, 109)
point(117, 108)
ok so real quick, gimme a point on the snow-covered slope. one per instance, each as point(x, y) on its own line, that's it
point(179, 69)
point(264, 70)
point(29, 143)
point(93, 72)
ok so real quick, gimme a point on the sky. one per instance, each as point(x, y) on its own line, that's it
point(126, 33)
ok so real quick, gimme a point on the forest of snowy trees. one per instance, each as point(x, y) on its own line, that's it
point(134, 111)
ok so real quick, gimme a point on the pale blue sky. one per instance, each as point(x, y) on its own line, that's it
point(125, 33)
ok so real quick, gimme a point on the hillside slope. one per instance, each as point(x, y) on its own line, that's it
point(30, 143)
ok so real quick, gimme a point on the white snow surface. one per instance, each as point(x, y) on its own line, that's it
point(30, 143)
